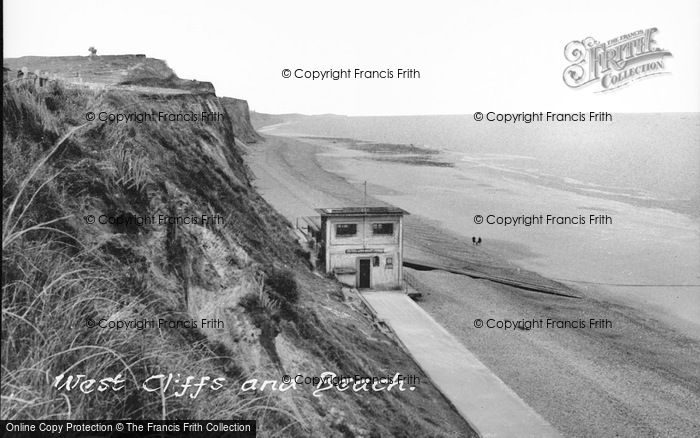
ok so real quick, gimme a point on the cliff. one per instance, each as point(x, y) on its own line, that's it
point(109, 70)
point(240, 117)
point(134, 73)
point(260, 120)
point(150, 220)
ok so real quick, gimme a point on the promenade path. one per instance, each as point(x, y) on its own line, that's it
point(487, 403)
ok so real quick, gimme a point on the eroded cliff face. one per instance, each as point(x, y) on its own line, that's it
point(157, 220)
point(240, 119)
point(132, 73)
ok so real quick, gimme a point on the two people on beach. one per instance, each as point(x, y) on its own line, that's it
point(476, 241)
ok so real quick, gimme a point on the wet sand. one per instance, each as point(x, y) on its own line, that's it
point(639, 377)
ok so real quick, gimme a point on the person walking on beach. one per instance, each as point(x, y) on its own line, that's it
point(478, 242)
point(473, 240)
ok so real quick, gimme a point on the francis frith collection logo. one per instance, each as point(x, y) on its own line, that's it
point(614, 63)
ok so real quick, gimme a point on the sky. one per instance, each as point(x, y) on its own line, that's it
point(502, 56)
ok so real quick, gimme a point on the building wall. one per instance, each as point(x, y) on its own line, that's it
point(383, 276)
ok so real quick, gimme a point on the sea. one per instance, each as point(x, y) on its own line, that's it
point(640, 170)
point(649, 159)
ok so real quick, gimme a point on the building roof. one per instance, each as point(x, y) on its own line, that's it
point(362, 211)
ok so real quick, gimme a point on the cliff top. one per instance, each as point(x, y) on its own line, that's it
point(109, 70)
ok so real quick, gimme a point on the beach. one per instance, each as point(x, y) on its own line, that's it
point(654, 253)
point(639, 377)
point(644, 251)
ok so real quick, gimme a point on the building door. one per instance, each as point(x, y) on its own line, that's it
point(364, 274)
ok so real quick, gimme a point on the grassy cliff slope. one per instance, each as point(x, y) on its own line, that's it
point(62, 269)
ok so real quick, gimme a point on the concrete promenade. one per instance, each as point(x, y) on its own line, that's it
point(487, 403)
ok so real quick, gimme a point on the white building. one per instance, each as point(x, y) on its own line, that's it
point(363, 246)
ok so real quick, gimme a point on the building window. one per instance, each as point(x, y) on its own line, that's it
point(375, 261)
point(344, 230)
point(383, 229)
point(390, 263)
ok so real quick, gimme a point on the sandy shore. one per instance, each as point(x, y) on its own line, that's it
point(654, 252)
point(639, 377)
